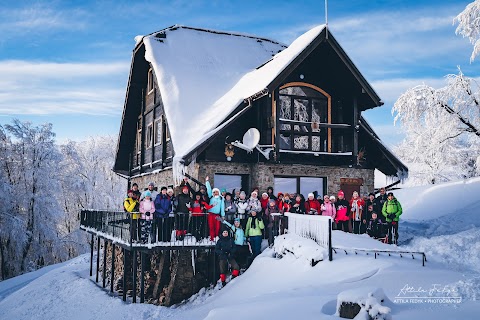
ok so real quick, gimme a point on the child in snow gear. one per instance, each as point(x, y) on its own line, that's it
point(375, 226)
point(253, 232)
point(392, 211)
point(225, 249)
point(147, 209)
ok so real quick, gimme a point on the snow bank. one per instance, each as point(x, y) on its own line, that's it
point(434, 201)
point(369, 299)
point(301, 248)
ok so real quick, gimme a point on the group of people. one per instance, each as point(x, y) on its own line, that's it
point(239, 223)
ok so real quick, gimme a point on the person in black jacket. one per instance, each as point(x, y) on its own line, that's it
point(298, 206)
point(380, 200)
point(225, 249)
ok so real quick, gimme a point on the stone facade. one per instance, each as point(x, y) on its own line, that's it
point(262, 174)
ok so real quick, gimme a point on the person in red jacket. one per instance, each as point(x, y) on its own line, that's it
point(264, 201)
point(357, 205)
point(343, 213)
point(312, 206)
point(198, 216)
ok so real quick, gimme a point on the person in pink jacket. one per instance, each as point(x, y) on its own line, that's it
point(328, 208)
point(147, 209)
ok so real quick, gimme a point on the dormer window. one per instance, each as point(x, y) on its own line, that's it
point(150, 82)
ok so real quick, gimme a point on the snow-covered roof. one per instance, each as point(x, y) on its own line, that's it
point(205, 75)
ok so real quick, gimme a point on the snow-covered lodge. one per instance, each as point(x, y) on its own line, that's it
point(194, 95)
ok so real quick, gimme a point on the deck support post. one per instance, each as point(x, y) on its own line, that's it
point(112, 269)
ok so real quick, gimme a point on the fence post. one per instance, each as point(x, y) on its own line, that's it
point(112, 270)
point(98, 258)
point(91, 256)
point(142, 279)
point(104, 261)
point(134, 258)
point(330, 254)
point(124, 280)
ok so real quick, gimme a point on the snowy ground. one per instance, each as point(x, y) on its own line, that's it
point(290, 288)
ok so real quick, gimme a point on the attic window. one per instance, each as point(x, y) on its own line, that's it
point(158, 128)
point(149, 137)
point(150, 85)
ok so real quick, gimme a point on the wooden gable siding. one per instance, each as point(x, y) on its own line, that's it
point(255, 117)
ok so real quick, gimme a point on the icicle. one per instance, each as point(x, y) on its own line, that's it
point(193, 261)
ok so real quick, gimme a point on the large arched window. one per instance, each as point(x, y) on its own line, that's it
point(303, 108)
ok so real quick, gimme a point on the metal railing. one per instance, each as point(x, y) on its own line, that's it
point(175, 230)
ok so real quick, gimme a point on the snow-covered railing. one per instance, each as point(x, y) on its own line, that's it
point(176, 230)
point(315, 227)
point(377, 252)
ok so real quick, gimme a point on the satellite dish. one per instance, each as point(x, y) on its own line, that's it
point(251, 138)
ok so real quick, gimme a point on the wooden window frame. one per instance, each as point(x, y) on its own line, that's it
point(149, 136)
point(297, 178)
point(150, 82)
point(165, 130)
point(310, 133)
point(158, 124)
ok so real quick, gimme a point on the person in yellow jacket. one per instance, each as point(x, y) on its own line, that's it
point(253, 233)
point(130, 204)
point(391, 211)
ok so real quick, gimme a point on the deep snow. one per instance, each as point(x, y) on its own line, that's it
point(290, 288)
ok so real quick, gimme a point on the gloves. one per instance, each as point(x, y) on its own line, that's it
point(391, 216)
point(218, 218)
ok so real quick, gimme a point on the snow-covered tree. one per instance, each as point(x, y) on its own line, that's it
point(442, 129)
point(469, 26)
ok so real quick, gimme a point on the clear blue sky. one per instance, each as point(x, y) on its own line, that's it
point(67, 62)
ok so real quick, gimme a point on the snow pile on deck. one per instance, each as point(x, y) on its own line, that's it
point(370, 300)
point(300, 248)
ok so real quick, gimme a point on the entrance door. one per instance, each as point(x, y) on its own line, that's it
point(349, 185)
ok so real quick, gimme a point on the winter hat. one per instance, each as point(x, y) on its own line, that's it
point(236, 219)
point(311, 195)
point(163, 188)
point(272, 201)
point(151, 184)
point(390, 194)
point(279, 194)
point(340, 193)
point(264, 194)
point(223, 190)
point(130, 191)
point(215, 189)
point(148, 194)
point(242, 193)
point(184, 187)
point(169, 190)
point(332, 198)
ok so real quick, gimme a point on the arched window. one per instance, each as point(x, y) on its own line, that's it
point(303, 108)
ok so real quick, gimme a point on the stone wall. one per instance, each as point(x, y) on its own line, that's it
point(160, 178)
point(262, 174)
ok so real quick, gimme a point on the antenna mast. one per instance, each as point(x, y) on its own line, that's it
point(326, 18)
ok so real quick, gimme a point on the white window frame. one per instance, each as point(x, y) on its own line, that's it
point(158, 126)
point(150, 82)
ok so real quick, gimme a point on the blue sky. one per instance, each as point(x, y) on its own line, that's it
point(67, 62)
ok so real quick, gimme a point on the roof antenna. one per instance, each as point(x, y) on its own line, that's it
point(326, 19)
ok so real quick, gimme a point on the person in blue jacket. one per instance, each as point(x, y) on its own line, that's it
point(163, 207)
point(218, 209)
point(241, 246)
